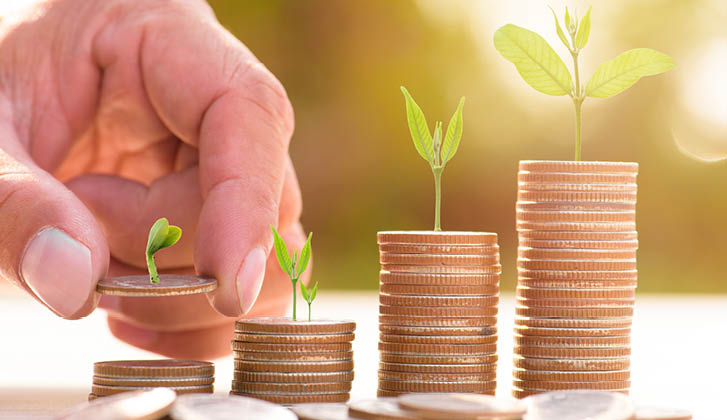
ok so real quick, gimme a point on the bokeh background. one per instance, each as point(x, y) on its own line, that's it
point(342, 63)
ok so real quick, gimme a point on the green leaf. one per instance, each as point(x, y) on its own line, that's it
point(304, 291)
point(281, 251)
point(584, 30)
point(157, 236)
point(173, 235)
point(305, 255)
point(559, 30)
point(568, 22)
point(534, 59)
point(314, 292)
point(418, 128)
point(454, 134)
point(617, 75)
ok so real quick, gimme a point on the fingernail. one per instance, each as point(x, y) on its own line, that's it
point(250, 278)
point(57, 268)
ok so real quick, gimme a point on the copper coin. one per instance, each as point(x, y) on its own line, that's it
point(630, 187)
point(294, 338)
point(378, 409)
point(165, 368)
point(448, 311)
point(576, 206)
point(169, 285)
point(421, 289)
point(611, 364)
point(437, 331)
point(661, 413)
point(438, 349)
point(442, 269)
point(553, 216)
point(574, 323)
point(438, 339)
point(103, 390)
point(565, 342)
point(600, 197)
point(291, 388)
point(562, 385)
point(438, 301)
point(427, 386)
point(219, 407)
point(293, 377)
point(542, 293)
point(289, 327)
point(571, 332)
point(578, 405)
point(385, 393)
point(290, 348)
point(575, 312)
point(461, 406)
point(571, 376)
point(298, 399)
point(321, 411)
point(326, 356)
point(576, 178)
point(293, 366)
point(550, 235)
point(437, 238)
point(575, 303)
point(579, 167)
point(437, 377)
point(572, 353)
point(439, 249)
point(153, 382)
point(580, 227)
point(439, 369)
point(136, 405)
point(439, 259)
point(576, 284)
point(576, 254)
point(576, 265)
point(438, 321)
point(624, 275)
point(563, 244)
point(439, 279)
point(403, 358)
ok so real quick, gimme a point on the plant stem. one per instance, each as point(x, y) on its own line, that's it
point(577, 97)
point(438, 197)
point(309, 303)
point(578, 103)
point(295, 292)
point(153, 276)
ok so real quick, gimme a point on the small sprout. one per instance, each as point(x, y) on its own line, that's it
point(437, 151)
point(161, 235)
point(293, 267)
point(309, 297)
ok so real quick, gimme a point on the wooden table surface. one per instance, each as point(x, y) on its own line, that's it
point(679, 347)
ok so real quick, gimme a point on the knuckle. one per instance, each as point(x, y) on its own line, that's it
point(264, 91)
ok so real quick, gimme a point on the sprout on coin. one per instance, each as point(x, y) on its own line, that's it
point(544, 71)
point(435, 150)
point(309, 297)
point(161, 235)
point(293, 266)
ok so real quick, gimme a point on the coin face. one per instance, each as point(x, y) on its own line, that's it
point(579, 167)
point(135, 405)
point(452, 406)
point(288, 326)
point(578, 405)
point(377, 409)
point(294, 338)
point(321, 411)
point(169, 285)
point(200, 406)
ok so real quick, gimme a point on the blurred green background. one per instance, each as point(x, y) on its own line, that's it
point(342, 63)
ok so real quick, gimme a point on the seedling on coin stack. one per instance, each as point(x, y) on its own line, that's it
point(293, 266)
point(439, 290)
point(576, 222)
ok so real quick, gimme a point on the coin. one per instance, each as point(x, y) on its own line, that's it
point(577, 235)
point(661, 413)
point(571, 332)
point(575, 303)
point(293, 377)
point(447, 311)
point(429, 368)
point(572, 353)
point(104, 390)
point(596, 196)
point(438, 279)
point(565, 244)
point(136, 405)
point(169, 285)
point(439, 339)
point(554, 216)
point(443, 269)
point(258, 388)
point(461, 406)
point(438, 349)
point(298, 399)
point(542, 293)
point(293, 366)
point(577, 405)
point(576, 284)
point(437, 331)
point(378, 409)
point(438, 301)
point(558, 386)
point(575, 178)
point(404, 358)
point(575, 312)
point(321, 411)
point(576, 206)
point(437, 377)
point(290, 348)
point(153, 382)
point(166, 368)
point(410, 289)
point(326, 356)
point(430, 321)
point(439, 249)
point(294, 338)
point(578, 166)
point(437, 238)
point(565, 342)
point(576, 254)
point(570, 376)
point(574, 323)
point(624, 275)
point(288, 326)
point(439, 259)
point(583, 186)
point(576, 265)
point(610, 364)
point(219, 407)
point(430, 386)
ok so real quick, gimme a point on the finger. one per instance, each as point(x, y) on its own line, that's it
point(50, 244)
point(291, 202)
point(127, 210)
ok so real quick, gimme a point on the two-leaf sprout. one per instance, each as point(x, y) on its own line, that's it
point(544, 71)
point(161, 235)
point(435, 150)
point(295, 266)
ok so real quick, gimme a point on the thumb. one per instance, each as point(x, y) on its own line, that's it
point(50, 243)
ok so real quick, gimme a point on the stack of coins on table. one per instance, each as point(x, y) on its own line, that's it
point(293, 362)
point(577, 276)
point(181, 376)
point(439, 293)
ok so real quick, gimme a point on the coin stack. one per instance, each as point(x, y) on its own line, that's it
point(292, 362)
point(577, 276)
point(438, 312)
point(181, 376)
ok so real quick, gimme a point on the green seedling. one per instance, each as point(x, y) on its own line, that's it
point(293, 266)
point(309, 297)
point(435, 150)
point(161, 235)
point(544, 71)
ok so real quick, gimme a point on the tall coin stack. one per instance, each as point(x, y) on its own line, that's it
point(577, 276)
point(438, 298)
point(181, 376)
point(292, 362)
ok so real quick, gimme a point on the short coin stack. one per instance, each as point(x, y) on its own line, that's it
point(292, 362)
point(577, 276)
point(439, 293)
point(181, 376)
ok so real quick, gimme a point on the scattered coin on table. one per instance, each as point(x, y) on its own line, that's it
point(220, 407)
point(137, 405)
